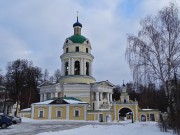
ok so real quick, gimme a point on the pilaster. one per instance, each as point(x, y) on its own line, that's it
point(67, 112)
point(32, 111)
point(49, 112)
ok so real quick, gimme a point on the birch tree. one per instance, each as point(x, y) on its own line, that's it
point(154, 54)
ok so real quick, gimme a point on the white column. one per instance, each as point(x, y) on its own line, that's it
point(32, 111)
point(136, 113)
point(115, 112)
point(56, 94)
point(72, 66)
point(111, 97)
point(45, 97)
point(85, 112)
point(52, 95)
point(107, 95)
point(81, 67)
point(62, 68)
point(84, 66)
point(41, 97)
point(100, 96)
point(97, 100)
point(69, 66)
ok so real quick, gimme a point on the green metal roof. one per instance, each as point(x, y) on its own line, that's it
point(71, 98)
point(77, 38)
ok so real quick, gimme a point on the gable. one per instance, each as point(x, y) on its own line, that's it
point(104, 83)
point(59, 101)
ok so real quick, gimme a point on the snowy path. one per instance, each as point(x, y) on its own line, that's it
point(55, 127)
point(124, 129)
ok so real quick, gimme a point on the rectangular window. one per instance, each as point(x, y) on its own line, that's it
point(76, 113)
point(86, 50)
point(41, 114)
point(77, 48)
point(67, 50)
point(58, 113)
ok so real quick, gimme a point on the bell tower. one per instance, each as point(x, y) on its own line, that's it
point(76, 60)
point(124, 98)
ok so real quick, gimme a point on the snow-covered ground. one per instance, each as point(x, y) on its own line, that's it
point(138, 128)
point(59, 127)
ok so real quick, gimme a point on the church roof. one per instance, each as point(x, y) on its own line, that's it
point(104, 83)
point(77, 38)
point(64, 100)
point(26, 110)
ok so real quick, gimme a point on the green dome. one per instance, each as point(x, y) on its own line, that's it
point(77, 38)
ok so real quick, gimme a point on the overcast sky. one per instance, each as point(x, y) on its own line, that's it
point(36, 30)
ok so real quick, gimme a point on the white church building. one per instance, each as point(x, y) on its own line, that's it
point(77, 95)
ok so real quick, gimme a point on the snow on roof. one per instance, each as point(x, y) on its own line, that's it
point(44, 102)
point(149, 109)
point(26, 110)
point(71, 101)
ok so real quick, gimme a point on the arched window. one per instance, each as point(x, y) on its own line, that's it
point(87, 68)
point(77, 68)
point(66, 68)
point(67, 50)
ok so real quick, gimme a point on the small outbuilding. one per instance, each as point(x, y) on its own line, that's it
point(66, 108)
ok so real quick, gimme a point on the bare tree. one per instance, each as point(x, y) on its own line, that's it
point(22, 79)
point(46, 75)
point(57, 75)
point(51, 79)
point(154, 55)
point(1, 78)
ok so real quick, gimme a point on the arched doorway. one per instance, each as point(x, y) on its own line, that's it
point(77, 68)
point(125, 114)
point(66, 68)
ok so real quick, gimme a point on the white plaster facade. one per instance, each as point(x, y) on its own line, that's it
point(98, 95)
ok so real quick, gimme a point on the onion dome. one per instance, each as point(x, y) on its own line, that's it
point(77, 24)
point(77, 39)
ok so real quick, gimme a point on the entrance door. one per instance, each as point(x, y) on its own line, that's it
point(100, 117)
point(143, 118)
point(152, 117)
point(108, 118)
